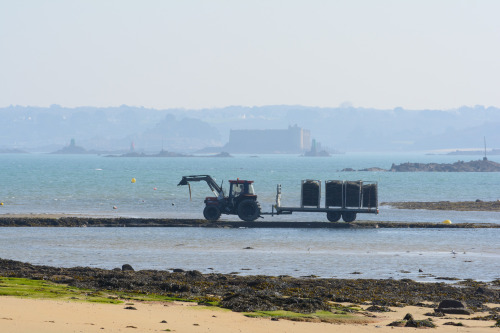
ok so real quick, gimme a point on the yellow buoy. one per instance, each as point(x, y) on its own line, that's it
point(133, 180)
point(1, 203)
point(447, 222)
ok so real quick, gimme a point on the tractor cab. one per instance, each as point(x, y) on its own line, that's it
point(242, 200)
point(241, 187)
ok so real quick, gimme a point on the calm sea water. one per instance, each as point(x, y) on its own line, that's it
point(375, 253)
point(92, 185)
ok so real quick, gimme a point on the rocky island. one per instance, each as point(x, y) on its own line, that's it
point(72, 149)
point(459, 166)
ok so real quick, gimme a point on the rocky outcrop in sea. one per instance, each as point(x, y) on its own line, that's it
point(459, 166)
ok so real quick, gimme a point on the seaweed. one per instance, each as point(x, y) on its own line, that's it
point(333, 193)
point(352, 192)
point(370, 195)
point(310, 193)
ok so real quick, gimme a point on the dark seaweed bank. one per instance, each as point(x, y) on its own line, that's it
point(198, 223)
point(253, 293)
point(478, 205)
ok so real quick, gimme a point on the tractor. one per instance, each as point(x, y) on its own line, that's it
point(241, 201)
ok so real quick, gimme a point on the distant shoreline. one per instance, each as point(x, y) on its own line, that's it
point(474, 152)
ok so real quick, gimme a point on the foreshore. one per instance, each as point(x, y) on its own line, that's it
point(61, 220)
point(52, 316)
point(377, 302)
point(374, 300)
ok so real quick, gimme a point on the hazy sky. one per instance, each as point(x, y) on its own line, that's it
point(196, 54)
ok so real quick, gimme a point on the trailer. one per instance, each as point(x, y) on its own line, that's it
point(343, 199)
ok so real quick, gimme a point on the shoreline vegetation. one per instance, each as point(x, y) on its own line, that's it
point(346, 301)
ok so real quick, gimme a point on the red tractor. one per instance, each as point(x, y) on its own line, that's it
point(241, 201)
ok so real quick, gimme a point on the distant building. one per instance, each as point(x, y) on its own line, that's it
point(71, 149)
point(316, 150)
point(286, 141)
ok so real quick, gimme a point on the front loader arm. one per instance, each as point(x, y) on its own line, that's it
point(216, 189)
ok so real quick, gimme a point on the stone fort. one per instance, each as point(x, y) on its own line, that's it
point(271, 141)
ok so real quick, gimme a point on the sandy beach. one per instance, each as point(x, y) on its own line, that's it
point(19, 315)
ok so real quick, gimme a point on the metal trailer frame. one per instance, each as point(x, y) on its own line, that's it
point(277, 209)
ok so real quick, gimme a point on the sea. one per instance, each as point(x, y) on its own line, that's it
point(103, 186)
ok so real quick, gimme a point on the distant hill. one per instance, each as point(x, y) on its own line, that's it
point(343, 128)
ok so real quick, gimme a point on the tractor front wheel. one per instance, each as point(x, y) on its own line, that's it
point(249, 210)
point(211, 213)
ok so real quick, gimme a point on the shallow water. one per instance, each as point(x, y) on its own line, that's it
point(93, 185)
point(375, 253)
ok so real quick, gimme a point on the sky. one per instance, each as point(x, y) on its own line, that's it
point(194, 54)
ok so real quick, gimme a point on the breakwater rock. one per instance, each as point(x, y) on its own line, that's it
point(252, 293)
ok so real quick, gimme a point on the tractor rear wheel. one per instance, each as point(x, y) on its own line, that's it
point(249, 210)
point(211, 213)
point(333, 216)
point(348, 216)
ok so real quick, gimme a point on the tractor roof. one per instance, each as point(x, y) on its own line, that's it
point(239, 181)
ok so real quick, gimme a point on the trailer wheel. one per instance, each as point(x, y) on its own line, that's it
point(348, 216)
point(211, 213)
point(249, 210)
point(333, 216)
